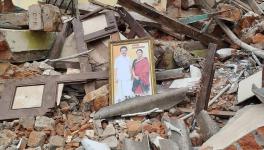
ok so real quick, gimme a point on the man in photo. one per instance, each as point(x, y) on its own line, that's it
point(123, 76)
point(140, 71)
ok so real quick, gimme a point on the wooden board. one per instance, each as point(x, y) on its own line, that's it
point(237, 127)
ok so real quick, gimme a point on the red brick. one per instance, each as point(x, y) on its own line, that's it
point(258, 38)
point(101, 102)
point(133, 127)
point(249, 142)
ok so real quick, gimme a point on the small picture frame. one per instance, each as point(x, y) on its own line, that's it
point(132, 71)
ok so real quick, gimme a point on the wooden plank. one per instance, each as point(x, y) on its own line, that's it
point(81, 47)
point(171, 23)
point(82, 17)
point(34, 17)
point(133, 24)
point(244, 122)
point(61, 37)
point(206, 81)
point(169, 74)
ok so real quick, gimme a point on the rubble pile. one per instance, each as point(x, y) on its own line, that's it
point(131, 75)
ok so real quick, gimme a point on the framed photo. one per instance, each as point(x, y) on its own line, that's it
point(132, 70)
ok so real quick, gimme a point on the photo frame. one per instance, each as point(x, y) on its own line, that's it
point(132, 71)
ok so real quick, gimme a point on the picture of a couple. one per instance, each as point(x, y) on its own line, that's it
point(132, 72)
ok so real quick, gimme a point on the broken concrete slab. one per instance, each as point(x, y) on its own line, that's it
point(164, 100)
point(36, 139)
point(208, 127)
point(25, 40)
point(244, 89)
point(245, 121)
point(181, 136)
point(168, 145)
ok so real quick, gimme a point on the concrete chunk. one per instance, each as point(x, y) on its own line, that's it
point(208, 127)
point(164, 100)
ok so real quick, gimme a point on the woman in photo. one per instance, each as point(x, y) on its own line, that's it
point(140, 72)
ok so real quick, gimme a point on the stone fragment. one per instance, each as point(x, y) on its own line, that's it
point(258, 38)
point(27, 122)
point(64, 106)
point(224, 53)
point(6, 138)
point(57, 141)
point(43, 122)
point(74, 119)
point(36, 139)
point(208, 126)
point(102, 91)
point(182, 57)
point(89, 133)
point(3, 66)
point(234, 14)
point(22, 144)
point(59, 129)
point(111, 141)
point(133, 127)
point(101, 102)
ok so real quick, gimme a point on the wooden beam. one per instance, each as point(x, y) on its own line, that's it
point(61, 37)
point(171, 23)
point(263, 76)
point(81, 47)
point(206, 81)
point(133, 24)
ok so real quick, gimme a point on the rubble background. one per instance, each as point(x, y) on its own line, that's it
point(72, 123)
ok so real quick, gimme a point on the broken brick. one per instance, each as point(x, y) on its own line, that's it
point(133, 127)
